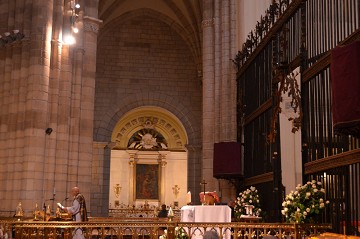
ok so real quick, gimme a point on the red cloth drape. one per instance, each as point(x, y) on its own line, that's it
point(345, 76)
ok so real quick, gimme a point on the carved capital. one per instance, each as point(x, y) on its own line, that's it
point(133, 157)
point(207, 22)
point(92, 24)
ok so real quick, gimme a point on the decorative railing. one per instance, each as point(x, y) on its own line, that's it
point(137, 213)
point(151, 230)
point(297, 37)
point(257, 37)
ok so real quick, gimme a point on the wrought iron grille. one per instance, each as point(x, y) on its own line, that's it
point(301, 34)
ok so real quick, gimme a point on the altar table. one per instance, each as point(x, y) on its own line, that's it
point(206, 214)
point(221, 213)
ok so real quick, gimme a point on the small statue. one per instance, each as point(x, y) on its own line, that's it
point(146, 205)
point(36, 212)
point(19, 211)
point(117, 190)
point(176, 190)
point(48, 210)
point(58, 213)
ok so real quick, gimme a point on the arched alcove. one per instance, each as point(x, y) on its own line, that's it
point(153, 168)
point(150, 117)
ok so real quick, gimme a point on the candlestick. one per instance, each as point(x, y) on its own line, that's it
point(188, 198)
point(170, 214)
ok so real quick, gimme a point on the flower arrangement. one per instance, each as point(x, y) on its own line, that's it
point(209, 198)
point(247, 197)
point(305, 203)
point(180, 233)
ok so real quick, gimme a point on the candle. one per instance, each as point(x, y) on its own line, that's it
point(170, 213)
point(188, 198)
point(54, 192)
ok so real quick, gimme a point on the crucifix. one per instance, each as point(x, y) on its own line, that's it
point(203, 183)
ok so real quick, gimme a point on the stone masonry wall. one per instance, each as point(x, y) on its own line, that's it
point(144, 56)
point(142, 61)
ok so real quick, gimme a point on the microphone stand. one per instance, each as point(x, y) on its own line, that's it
point(53, 203)
point(51, 199)
point(44, 209)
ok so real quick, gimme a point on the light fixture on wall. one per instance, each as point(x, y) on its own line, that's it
point(10, 37)
point(74, 14)
point(48, 131)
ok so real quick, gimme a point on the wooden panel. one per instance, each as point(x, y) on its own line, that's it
point(338, 160)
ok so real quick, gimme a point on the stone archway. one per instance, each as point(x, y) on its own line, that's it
point(163, 139)
point(164, 121)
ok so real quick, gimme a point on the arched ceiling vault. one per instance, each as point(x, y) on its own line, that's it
point(187, 15)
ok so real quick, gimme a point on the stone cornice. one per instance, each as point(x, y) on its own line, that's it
point(91, 24)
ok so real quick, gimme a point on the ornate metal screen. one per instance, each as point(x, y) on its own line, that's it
point(300, 33)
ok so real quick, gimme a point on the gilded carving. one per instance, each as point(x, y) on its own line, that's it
point(207, 22)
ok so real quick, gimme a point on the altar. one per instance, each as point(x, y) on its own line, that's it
point(203, 214)
point(221, 213)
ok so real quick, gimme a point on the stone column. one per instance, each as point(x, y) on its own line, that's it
point(100, 172)
point(35, 184)
point(87, 96)
point(227, 110)
point(132, 163)
point(162, 162)
point(225, 78)
point(219, 83)
point(226, 127)
point(58, 180)
point(194, 171)
point(208, 93)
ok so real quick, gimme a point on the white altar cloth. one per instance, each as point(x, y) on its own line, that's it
point(206, 214)
point(221, 213)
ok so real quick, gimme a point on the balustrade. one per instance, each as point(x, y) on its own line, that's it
point(102, 228)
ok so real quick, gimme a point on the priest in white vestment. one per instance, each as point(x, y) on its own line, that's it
point(77, 210)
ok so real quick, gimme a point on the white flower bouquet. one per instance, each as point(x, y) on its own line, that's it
point(248, 197)
point(304, 204)
point(180, 233)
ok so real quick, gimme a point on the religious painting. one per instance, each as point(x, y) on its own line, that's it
point(147, 181)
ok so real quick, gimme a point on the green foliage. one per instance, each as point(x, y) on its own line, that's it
point(304, 204)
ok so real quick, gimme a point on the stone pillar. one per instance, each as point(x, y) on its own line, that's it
point(58, 179)
point(35, 185)
point(132, 163)
point(162, 162)
point(194, 171)
point(225, 78)
point(100, 172)
point(14, 67)
point(219, 83)
point(208, 93)
point(85, 105)
point(228, 89)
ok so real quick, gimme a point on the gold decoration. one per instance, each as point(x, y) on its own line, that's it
point(36, 213)
point(176, 190)
point(284, 83)
point(117, 190)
